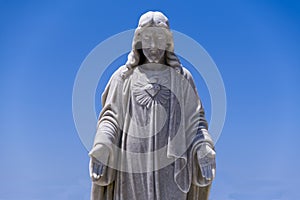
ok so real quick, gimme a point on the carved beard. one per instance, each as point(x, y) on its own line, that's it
point(153, 56)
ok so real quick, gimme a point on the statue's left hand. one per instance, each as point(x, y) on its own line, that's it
point(207, 161)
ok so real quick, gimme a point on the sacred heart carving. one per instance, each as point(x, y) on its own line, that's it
point(146, 93)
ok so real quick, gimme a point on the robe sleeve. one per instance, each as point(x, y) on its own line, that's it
point(193, 121)
point(201, 137)
point(108, 128)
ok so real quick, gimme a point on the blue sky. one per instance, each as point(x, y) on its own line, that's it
point(255, 45)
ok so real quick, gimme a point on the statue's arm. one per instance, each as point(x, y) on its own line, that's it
point(102, 155)
point(204, 163)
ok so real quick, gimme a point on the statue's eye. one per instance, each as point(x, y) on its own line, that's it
point(160, 37)
point(146, 37)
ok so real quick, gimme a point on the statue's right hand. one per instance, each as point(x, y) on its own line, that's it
point(96, 169)
point(99, 159)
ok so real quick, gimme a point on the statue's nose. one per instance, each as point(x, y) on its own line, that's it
point(153, 44)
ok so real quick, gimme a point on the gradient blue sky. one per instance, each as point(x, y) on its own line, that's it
point(255, 44)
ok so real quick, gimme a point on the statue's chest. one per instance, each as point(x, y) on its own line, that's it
point(150, 87)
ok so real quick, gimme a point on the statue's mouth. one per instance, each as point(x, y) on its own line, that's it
point(154, 52)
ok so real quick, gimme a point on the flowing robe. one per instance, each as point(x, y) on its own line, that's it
point(151, 123)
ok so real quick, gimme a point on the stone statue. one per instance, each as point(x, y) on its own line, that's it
point(152, 140)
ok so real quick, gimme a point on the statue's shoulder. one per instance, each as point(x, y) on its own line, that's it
point(186, 73)
point(118, 74)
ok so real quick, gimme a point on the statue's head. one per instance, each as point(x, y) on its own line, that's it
point(153, 36)
point(153, 42)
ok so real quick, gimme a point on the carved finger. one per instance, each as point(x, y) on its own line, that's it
point(100, 169)
point(204, 172)
point(95, 168)
point(199, 163)
point(104, 169)
point(209, 173)
point(95, 172)
point(214, 165)
point(213, 173)
point(208, 176)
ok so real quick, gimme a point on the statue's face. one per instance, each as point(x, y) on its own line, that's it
point(154, 43)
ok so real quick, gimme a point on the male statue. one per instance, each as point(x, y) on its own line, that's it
point(152, 140)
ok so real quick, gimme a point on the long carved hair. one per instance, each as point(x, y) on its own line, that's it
point(136, 56)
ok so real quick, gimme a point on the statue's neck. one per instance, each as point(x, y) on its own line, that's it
point(154, 66)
